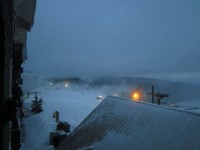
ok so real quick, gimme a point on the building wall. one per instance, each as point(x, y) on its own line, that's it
point(6, 48)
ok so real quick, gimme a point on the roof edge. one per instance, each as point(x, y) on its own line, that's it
point(155, 105)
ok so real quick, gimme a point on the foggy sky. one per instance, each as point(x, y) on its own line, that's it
point(115, 37)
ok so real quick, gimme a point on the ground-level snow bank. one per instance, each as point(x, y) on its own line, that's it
point(73, 106)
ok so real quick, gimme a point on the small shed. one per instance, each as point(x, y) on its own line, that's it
point(65, 126)
point(55, 138)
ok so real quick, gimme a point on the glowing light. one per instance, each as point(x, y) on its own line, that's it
point(50, 84)
point(66, 85)
point(136, 95)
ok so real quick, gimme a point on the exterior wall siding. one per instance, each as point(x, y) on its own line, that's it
point(6, 48)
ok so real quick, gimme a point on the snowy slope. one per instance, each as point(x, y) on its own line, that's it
point(123, 86)
point(72, 105)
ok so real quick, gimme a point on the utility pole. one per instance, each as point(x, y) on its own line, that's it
point(159, 96)
point(152, 93)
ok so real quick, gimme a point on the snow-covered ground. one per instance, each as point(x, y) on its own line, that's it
point(73, 105)
point(75, 101)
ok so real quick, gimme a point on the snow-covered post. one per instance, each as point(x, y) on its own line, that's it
point(56, 115)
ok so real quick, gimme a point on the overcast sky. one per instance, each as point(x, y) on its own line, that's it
point(115, 37)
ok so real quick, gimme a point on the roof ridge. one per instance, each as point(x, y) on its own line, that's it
point(155, 105)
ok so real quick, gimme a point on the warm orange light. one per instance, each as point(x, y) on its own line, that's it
point(136, 95)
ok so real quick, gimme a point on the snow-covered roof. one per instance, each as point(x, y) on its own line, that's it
point(119, 123)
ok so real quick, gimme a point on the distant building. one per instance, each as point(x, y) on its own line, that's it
point(121, 124)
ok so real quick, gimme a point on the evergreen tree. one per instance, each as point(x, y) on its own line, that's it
point(36, 105)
